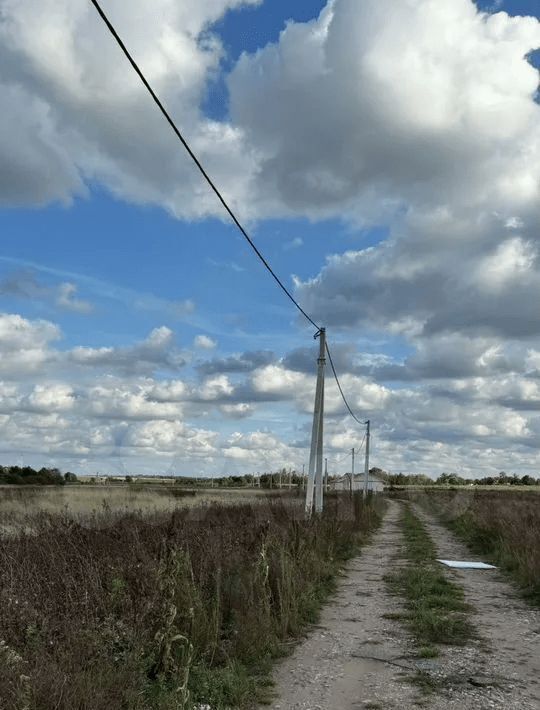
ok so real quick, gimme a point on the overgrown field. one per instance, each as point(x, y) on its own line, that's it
point(166, 610)
point(502, 525)
point(20, 504)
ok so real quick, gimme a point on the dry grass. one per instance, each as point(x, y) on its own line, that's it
point(84, 503)
point(163, 609)
point(503, 525)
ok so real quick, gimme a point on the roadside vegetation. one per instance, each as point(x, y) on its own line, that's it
point(502, 526)
point(435, 610)
point(181, 609)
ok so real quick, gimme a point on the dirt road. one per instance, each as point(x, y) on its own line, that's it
point(359, 657)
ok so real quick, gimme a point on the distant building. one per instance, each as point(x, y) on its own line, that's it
point(375, 484)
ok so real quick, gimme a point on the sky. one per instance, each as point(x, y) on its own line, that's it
point(385, 158)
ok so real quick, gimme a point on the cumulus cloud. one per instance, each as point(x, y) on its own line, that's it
point(237, 411)
point(25, 345)
point(340, 130)
point(81, 114)
point(394, 102)
point(156, 352)
point(204, 342)
point(484, 413)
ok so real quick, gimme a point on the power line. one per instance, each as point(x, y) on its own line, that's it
point(356, 451)
point(353, 415)
point(341, 458)
point(192, 155)
point(359, 449)
point(214, 188)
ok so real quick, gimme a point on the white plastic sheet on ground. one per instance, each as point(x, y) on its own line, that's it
point(466, 565)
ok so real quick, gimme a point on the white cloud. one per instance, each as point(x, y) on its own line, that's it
point(339, 132)
point(276, 380)
point(156, 352)
point(24, 344)
point(511, 260)
point(215, 388)
point(237, 411)
point(204, 342)
point(52, 398)
point(472, 406)
point(387, 101)
point(79, 112)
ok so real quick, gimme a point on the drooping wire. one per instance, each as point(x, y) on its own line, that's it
point(342, 458)
point(353, 415)
point(359, 449)
point(197, 162)
point(356, 452)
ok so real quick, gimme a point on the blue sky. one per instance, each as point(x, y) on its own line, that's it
point(135, 267)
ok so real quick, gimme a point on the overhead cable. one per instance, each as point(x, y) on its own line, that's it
point(197, 162)
point(210, 182)
point(353, 415)
point(359, 449)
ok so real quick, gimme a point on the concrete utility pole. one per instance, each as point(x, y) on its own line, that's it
point(352, 471)
point(326, 475)
point(366, 467)
point(315, 472)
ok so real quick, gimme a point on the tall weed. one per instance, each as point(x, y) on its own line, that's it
point(167, 610)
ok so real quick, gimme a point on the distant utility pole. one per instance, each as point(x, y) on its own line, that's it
point(352, 471)
point(315, 472)
point(326, 475)
point(366, 467)
point(303, 476)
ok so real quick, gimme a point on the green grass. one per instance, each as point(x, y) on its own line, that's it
point(502, 526)
point(435, 610)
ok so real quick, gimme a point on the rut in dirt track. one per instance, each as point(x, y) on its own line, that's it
point(357, 657)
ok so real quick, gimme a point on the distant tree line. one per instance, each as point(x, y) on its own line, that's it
point(284, 478)
point(452, 479)
point(26, 475)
